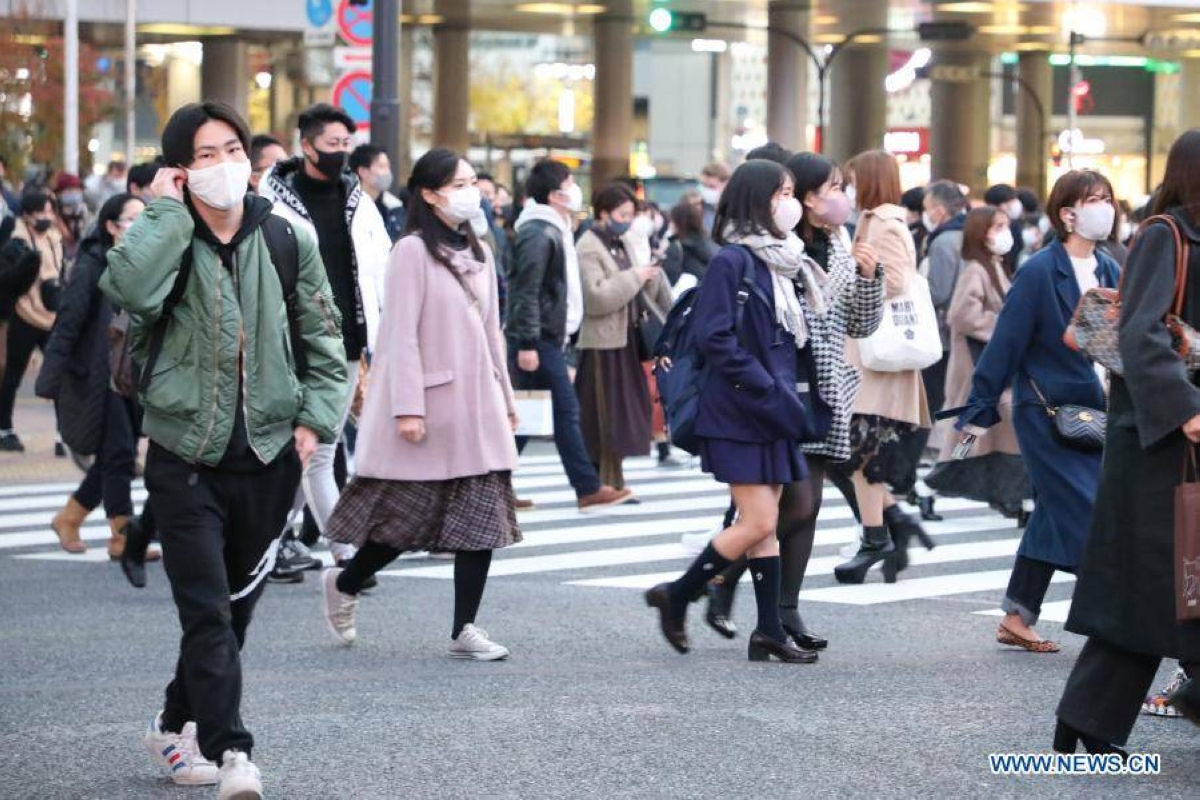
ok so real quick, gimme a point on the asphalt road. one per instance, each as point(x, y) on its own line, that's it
point(909, 700)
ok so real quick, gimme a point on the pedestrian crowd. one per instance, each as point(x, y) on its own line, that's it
point(314, 356)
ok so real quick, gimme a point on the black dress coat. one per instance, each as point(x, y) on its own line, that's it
point(1125, 594)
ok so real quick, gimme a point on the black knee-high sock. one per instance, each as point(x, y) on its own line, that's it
point(765, 573)
point(470, 576)
point(370, 558)
point(690, 584)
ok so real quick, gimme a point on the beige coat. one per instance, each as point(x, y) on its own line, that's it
point(973, 312)
point(609, 294)
point(893, 395)
point(29, 306)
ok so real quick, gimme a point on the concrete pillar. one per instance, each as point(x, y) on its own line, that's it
point(1189, 96)
point(1033, 122)
point(787, 74)
point(451, 87)
point(857, 101)
point(225, 73)
point(613, 91)
point(960, 117)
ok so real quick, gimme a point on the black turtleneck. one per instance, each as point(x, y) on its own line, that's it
point(326, 205)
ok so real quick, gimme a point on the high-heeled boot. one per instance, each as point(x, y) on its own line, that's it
point(875, 546)
point(902, 528)
point(794, 625)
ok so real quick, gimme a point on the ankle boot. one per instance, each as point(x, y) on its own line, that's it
point(720, 607)
point(793, 625)
point(875, 545)
point(66, 524)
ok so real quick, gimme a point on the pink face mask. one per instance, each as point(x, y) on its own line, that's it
point(834, 209)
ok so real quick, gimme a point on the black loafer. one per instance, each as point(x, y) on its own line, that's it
point(720, 598)
point(762, 648)
point(672, 628)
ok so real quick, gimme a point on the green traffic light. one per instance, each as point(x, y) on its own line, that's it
point(661, 20)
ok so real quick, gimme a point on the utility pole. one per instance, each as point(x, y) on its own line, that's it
point(385, 94)
point(71, 88)
point(130, 80)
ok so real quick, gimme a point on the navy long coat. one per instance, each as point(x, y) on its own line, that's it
point(750, 395)
point(1027, 344)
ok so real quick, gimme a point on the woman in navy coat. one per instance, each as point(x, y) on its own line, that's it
point(751, 419)
point(1027, 352)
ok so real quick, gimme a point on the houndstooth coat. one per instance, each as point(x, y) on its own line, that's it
point(855, 309)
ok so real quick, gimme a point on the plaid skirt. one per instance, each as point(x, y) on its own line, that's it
point(474, 513)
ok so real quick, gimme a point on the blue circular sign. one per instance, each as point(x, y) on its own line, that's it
point(319, 12)
point(356, 22)
point(352, 93)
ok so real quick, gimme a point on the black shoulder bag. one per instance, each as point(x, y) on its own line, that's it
point(1078, 427)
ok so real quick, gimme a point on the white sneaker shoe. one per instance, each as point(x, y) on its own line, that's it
point(178, 754)
point(473, 642)
point(338, 608)
point(240, 779)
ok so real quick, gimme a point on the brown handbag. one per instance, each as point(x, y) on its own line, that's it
point(1187, 540)
point(1095, 327)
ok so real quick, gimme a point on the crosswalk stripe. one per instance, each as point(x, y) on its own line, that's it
point(870, 594)
point(1051, 612)
point(617, 556)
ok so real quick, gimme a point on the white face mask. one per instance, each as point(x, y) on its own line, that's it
point(709, 195)
point(1128, 229)
point(462, 204)
point(574, 198)
point(221, 186)
point(642, 226)
point(1014, 209)
point(1001, 243)
point(927, 221)
point(1030, 235)
point(1094, 221)
point(479, 225)
point(788, 213)
point(382, 181)
point(852, 193)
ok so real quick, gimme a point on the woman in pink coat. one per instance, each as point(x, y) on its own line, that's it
point(435, 446)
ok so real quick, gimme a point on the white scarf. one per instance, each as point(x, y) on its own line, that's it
point(535, 210)
point(789, 266)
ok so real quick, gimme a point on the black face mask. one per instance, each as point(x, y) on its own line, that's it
point(331, 164)
point(42, 225)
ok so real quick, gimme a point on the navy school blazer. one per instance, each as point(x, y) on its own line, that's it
point(1028, 341)
point(750, 395)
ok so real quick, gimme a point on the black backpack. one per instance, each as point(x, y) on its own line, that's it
point(19, 267)
point(285, 256)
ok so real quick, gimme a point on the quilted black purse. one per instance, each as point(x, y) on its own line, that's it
point(1079, 427)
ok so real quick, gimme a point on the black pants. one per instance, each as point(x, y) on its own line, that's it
point(934, 378)
point(1106, 688)
point(111, 474)
point(1027, 588)
point(23, 338)
point(216, 526)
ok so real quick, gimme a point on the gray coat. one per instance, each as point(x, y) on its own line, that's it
point(609, 294)
point(1125, 595)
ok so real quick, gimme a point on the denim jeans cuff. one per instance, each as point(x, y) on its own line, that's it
point(1011, 606)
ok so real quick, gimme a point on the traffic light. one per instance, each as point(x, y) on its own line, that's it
point(664, 20)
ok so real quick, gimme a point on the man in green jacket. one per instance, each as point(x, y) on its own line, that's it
point(229, 415)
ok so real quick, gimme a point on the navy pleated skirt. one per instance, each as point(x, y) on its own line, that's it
point(752, 463)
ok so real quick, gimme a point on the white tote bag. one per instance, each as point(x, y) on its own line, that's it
point(536, 413)
point(908, 333)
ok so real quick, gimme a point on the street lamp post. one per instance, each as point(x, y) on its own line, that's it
point(385, 94)
point(130, 80)
point(71, 87)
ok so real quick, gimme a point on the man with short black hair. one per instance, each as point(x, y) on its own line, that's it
point(265, 152)
point(317, 193)
point(141, 178)
point(545, 307)
point(1004, 197)
point(235, 400)
point(374, 170)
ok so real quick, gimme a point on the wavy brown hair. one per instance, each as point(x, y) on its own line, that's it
point(975, 245)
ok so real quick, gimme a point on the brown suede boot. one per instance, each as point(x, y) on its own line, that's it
point(116, 539)
point(66, 524)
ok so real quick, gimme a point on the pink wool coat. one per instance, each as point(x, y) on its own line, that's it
point(440, 358)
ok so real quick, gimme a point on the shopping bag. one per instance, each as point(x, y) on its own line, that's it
point(535, 412)
point(908, 336)
point(1187, 541)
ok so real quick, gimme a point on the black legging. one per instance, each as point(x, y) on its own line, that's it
point(470, 576)
point(799, 507)
point(23, 339)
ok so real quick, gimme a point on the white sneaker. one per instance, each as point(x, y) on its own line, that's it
point(178, 754)
point(240, 779)
point(337, 608)
point(473, 642)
